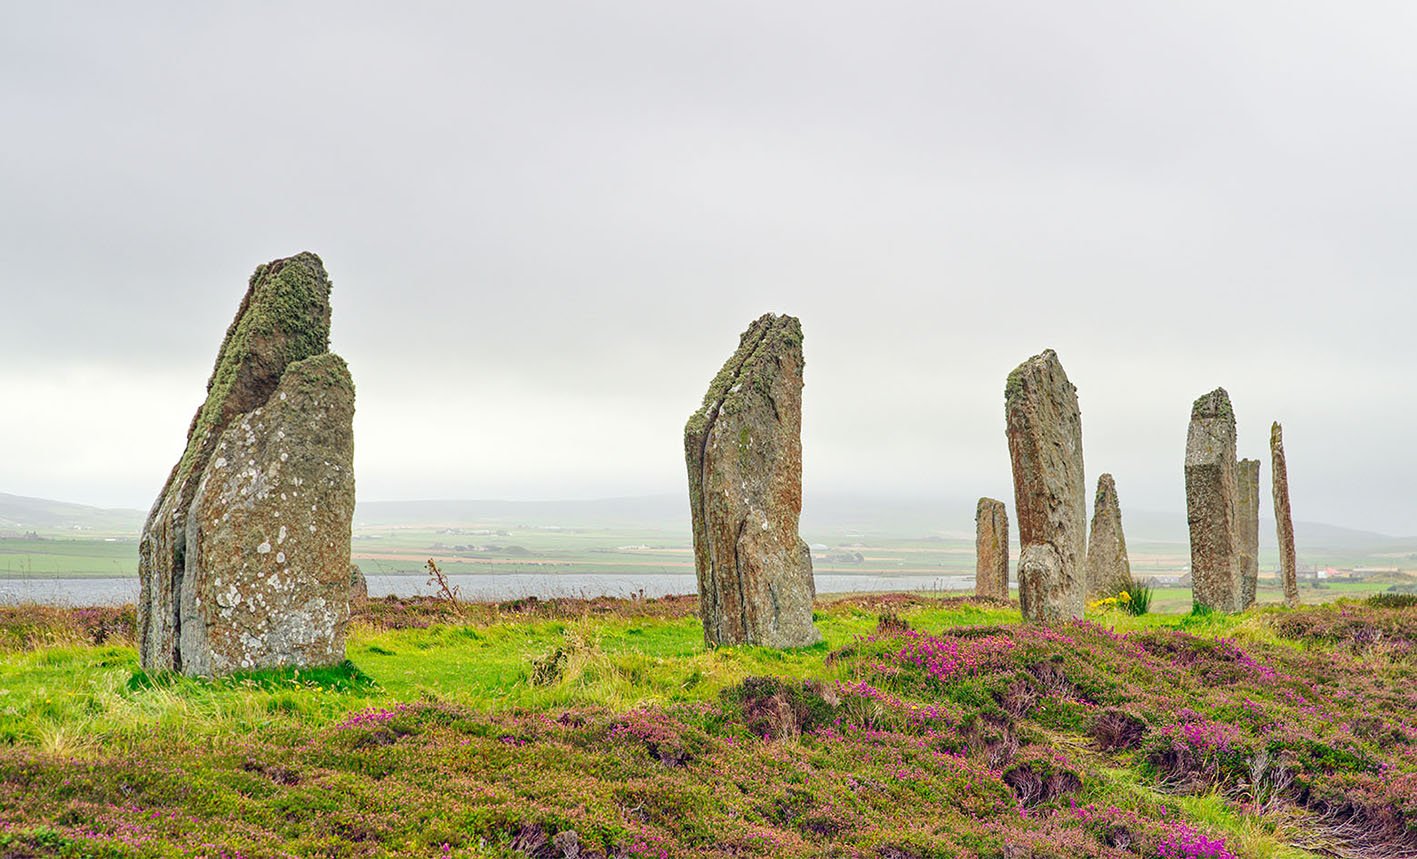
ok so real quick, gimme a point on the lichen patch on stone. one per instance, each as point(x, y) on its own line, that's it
point(208, 603)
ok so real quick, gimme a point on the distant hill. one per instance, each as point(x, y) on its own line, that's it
point(1336, 537)
point(1154, 527)
point(824, 514)
point(21, 514)
point(828, 514)
point(648, 511)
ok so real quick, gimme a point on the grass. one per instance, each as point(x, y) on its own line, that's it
point(1138, 597)
point(629, 662)
point(948, 731)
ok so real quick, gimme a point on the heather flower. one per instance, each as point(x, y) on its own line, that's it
point(371, 716)
point(951, 658)
point(1185, 842)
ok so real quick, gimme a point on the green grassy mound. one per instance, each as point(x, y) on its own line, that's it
point(919, 728)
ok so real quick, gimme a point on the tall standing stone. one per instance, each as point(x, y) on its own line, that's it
point(1212, 503)
point(1247, 515)
point(743, 448)
point(1109, 571)
point(244, 559)
point(1283, 520)
point(991, 549)
point(1045, 446)
point(358, 586)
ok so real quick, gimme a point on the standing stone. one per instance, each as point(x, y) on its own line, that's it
point(1247, 515)
point(1283, 520)
point(744, 454)
point(244, 559)
point(1045, 446)
point(991, 550)
point(267, 578)
point(1109, 572)
point(358, 586)
point(1212, 501)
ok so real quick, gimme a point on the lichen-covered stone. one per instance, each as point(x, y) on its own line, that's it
point(1212, 503)
point(358, 586)
point(1040, 567)
point(743, 448)
point(283, 319)
point(1283, 519)
point(1050, 502)
point(1247, 519)
point(267, 580)
point(991, 549)
point(1109, 571)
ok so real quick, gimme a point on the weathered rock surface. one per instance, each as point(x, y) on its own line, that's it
point(1247, 516)
point(1050, 501)
point(744, 454)
point(1109, 571)
point(1283, 519)
point(1212, 502)
point(358, 586)
point(276, 421)
point(991, 549)
point(267, 578)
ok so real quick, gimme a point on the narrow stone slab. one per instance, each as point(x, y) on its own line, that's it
point(1283, 519)
point(284, 319)
point(1212, 503)
point(991, 549)
point(1109, 571)
point(1247, 515)
point(1045, 446)
point(358, 586)
point(743, 449)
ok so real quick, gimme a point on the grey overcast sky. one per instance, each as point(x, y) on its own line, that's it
point(547, 224)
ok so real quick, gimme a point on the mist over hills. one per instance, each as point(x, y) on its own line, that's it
point(655, 512)
point(824, 515)
point(21, 513)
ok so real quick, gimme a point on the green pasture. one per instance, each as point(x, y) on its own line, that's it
point(72, 698)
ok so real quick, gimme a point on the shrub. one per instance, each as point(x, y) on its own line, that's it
point(1138, 600)
point(1134, 599)
point(1018, 698)
point(891, 623)
point(1359, 628)
point(1194, 752)
point(1117, 730)
point(776, 709)
point(578, 659)
point(962, 653)
point(1041, 776)
point(1185, 842)
point(30, 626)
point(549, 667)
point(1392, 600)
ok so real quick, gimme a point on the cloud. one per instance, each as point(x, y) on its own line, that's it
point(547, 225)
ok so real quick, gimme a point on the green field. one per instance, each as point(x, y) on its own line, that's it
point(498, 548)
point(68, 557)
point(1175, 600)
point(918, 728)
